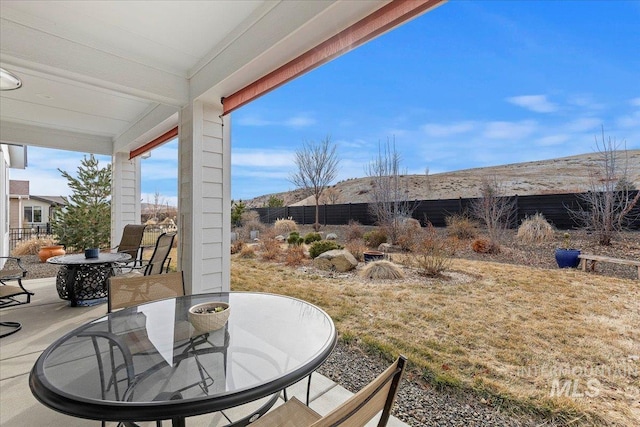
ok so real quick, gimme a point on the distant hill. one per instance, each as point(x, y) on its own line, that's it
point(562, 175)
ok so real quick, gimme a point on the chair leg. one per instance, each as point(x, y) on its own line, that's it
point(15, 327)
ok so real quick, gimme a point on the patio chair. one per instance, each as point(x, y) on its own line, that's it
point(126, 291)
point(131, 242)
point(160, 260)
point(378, 395)
point(10, 294)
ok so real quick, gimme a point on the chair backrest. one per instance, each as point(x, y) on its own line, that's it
point(126, 291)
point(131, 239)
point(160, 254)
point(378, 395)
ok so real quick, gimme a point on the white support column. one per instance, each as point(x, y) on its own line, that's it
point(125, 194)
point(204, 198)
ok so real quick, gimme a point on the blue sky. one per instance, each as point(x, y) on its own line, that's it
point(470, 84)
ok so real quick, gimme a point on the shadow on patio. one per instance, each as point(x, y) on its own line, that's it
point(47, 318)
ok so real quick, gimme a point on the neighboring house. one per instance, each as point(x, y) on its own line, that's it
point(28, 211)
point(14, 157)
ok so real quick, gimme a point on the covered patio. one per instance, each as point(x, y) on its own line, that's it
point(119, 78)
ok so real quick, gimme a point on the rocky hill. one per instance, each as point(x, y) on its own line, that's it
point(563, 175)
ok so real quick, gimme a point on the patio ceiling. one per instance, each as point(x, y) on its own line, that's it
point(110, 76)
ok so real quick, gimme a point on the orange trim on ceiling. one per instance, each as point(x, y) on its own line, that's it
point(382, 20)
point(153, 144)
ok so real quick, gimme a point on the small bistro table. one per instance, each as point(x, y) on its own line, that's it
point(148, 363)
point(83, 281)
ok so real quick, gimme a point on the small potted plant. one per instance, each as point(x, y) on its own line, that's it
point(567, 257)
point(209, 316)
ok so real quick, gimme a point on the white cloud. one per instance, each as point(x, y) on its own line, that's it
point(443, 130)
point(629, 121)
point(583, 124)
point(262, 158)
point(536, 103)
point(509, 130)
point(635, 102)
point(551, 140)
point(297, 121)
point(253, 121)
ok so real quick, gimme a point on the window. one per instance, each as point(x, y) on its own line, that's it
point(33, 214)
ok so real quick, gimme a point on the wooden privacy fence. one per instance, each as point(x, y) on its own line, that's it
point(554, 207)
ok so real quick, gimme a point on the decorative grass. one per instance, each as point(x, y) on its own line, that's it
point(381, 270)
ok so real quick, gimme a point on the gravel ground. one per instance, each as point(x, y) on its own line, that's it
point(419, 404)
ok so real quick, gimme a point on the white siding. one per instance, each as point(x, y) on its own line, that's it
point(125, 194)
point(204, 192)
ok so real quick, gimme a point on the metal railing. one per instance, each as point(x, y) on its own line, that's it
point(17, 235)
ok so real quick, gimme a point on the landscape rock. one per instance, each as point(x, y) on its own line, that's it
point(332, 236)
point(280, 238)
point(338, 259)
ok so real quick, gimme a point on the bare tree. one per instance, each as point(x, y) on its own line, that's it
point(317, 167)
point(389, 203)
point(156, 206)
point(494, 209)
point(608, 205)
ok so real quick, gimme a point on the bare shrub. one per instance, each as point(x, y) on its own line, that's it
point(535, 229)
point(237, 246)
point(247, 252)
point(271, 249)
point(356, 248)
point(389, 192)
point(461, 226)
point(33, 245)
point(408, 234)
point(485, 246)
point(384, 270)
point(244, 232)
point(295, 255)
point(608, 207)
point(494, 209)
point(375, 238)
point(249, 217)
point(354, 231)
point(285, 226)
point(431, 256)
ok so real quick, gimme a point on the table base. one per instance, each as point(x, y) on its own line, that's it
point(82, 284)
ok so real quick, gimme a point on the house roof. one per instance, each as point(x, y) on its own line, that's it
point(52, 200)
point(18, 187)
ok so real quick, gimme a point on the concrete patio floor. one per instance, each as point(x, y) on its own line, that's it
point(47, 318)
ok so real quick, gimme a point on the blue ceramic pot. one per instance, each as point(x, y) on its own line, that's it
point(567, 258)
point(92, 253)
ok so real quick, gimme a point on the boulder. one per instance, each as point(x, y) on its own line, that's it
point(338, 259)
point(332, 236)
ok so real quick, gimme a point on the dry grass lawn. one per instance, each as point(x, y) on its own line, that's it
point(562, 344)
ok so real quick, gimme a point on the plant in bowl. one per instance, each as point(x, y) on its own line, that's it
point(209, 316)
point(567, 257)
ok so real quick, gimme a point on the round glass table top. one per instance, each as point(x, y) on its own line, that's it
point(80, 259)
point(148, 362)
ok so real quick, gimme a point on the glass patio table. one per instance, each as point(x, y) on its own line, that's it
point(148, 362)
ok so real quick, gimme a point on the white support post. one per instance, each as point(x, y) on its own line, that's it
point(204, 198)
point(125, 194)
